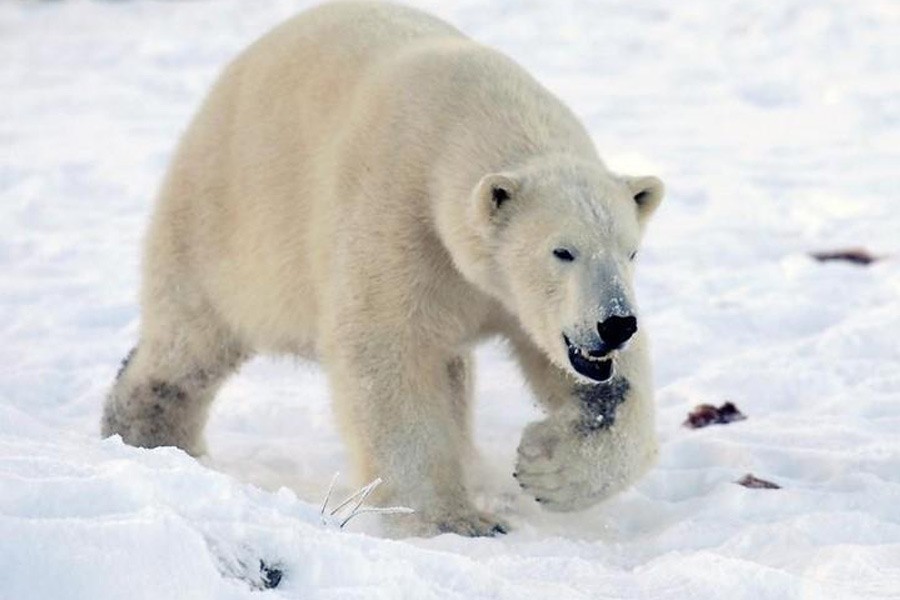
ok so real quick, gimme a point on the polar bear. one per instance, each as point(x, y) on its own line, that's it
point(367, 187)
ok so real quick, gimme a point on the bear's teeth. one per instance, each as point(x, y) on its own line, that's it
point(598, 359)
point(586, 355)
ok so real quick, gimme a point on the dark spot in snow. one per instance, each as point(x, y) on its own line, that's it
point(599, 402)
point(751, 481)
point(856, 256)
point(707, 414)
point(270, 575)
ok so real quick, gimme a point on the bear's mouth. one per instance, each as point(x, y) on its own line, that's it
point(598, 368)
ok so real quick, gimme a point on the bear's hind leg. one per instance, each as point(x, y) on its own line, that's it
point(153, 403)
point(163, 391)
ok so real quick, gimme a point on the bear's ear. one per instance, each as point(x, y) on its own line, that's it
point(493, 195)
point(647, 193)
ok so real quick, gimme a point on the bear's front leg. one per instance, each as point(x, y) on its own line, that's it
point(598, 438)
point(400, 406)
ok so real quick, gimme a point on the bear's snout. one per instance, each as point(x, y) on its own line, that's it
point(594, 360)
point(616, 330)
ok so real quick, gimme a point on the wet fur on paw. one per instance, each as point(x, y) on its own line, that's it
point(599, 403)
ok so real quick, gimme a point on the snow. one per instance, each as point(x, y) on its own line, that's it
point(777, 129)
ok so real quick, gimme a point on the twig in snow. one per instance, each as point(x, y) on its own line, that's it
point(328, 493)
point(362, 497)
point(752, 481)
point(381, 510)
point(856, 256)
point(359, 497)
point(366, 489)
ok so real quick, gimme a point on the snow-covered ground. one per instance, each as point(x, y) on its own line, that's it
point(776, 126)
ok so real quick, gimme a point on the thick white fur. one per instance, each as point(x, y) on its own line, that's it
point(333, 199)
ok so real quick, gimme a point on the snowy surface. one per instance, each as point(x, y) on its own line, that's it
point(777, 128)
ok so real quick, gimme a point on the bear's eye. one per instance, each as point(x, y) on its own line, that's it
point(633, 254)
point(563, 255)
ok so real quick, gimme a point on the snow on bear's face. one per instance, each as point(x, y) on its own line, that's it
point(562, 240)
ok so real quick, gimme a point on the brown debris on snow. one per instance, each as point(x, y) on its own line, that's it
point(751, 481)
point(707, 414)
point(856, 256)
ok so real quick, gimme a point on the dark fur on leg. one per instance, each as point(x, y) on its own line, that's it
point(599, 403)
point(154, 414)
point(125, 362)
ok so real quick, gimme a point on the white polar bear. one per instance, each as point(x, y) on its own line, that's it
point(367, 187)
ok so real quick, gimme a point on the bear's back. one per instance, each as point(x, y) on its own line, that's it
point(238, 207)
point(330, 46)
point(333, 125)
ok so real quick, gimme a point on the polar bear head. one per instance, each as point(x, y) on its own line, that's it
point(557, 242)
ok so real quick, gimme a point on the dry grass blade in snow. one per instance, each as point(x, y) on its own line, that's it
point(752, 481)
point(359, 496)
point(856, 256)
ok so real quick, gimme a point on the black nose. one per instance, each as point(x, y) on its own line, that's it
point(615, 331)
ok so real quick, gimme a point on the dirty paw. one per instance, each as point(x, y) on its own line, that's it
point(469, 523)
point(477, 524)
